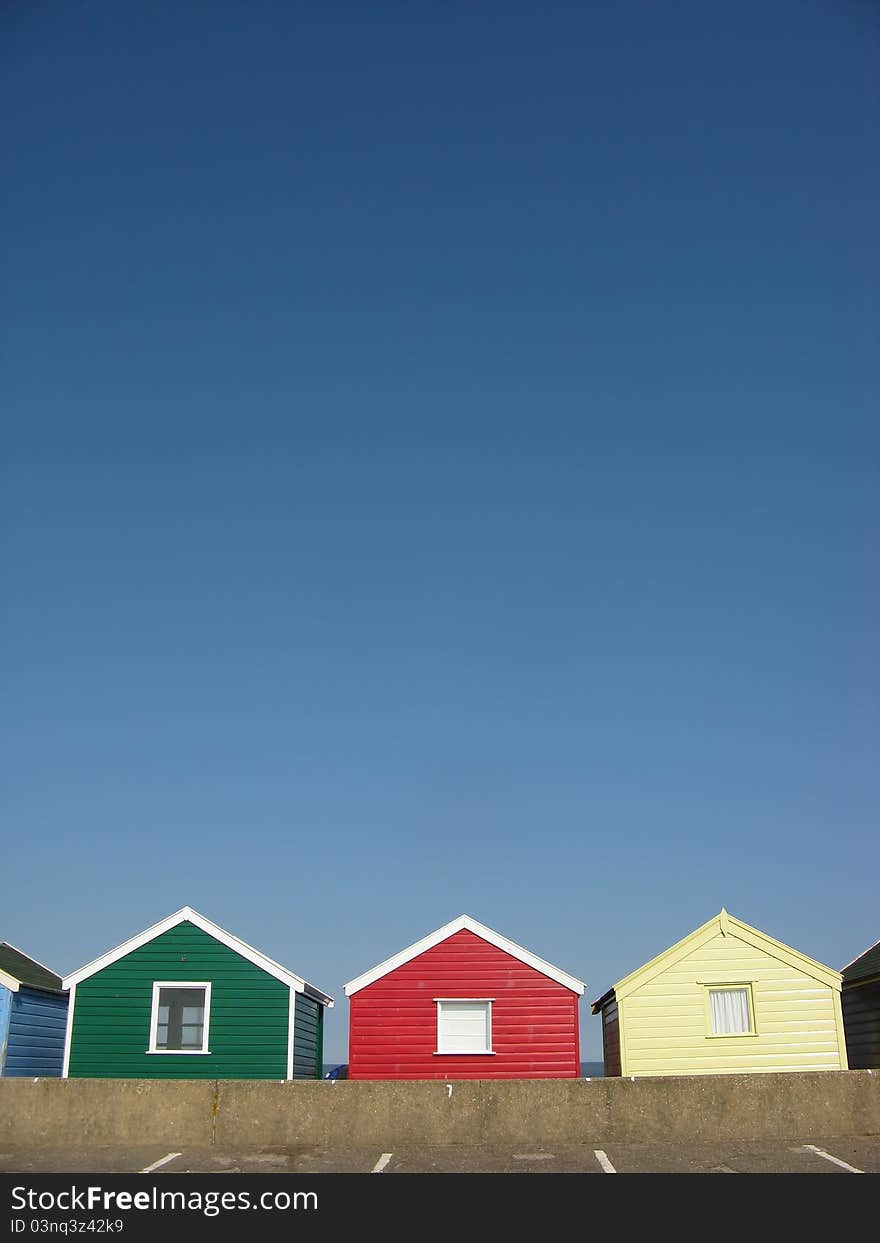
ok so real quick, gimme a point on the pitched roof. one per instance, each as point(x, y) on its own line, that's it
point(723, 923)
point(479, 930)
point(17, 968)
point(186, 914)
point(865, 965)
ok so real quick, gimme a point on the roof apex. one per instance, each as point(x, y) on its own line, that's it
point(463, 922)
point(188, 914)
point(727, 924)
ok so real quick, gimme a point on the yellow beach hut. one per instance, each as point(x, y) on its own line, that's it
point(727, 999)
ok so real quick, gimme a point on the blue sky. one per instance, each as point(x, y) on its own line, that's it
point(440, 475)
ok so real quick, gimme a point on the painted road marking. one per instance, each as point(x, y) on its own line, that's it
point(604, 1162)
point(828, 1157)
point(162, 1161)
point(381, 1163)
point(533, 1156)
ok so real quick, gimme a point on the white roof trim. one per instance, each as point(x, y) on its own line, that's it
point(9, 981)
point(480, 930)
point(187, 914)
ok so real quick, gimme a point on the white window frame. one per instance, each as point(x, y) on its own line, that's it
point(484, 1001)
point(154, 1017)
point(726, 987)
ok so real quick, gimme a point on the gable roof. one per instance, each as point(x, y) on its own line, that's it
point(186, 914)
point(865, 965)
point(479, 930)
point(17, 968)
point(725, 924)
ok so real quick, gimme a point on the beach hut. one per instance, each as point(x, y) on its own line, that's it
point(187, 1000)
point(726, 999)
point(861, 1009)
point(33, 1016)
point(464, 1002)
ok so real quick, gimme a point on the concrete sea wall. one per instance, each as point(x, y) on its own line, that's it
point(254, 1114)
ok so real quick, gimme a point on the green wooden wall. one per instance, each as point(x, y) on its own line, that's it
point(249, 1014)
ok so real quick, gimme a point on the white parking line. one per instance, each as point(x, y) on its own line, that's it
point(162, 1161)
point(381, 1163)
point(604, 1162)
point(828, 1157)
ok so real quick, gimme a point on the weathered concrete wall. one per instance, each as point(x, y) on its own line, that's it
point(57, 1112)
point(248, 1114)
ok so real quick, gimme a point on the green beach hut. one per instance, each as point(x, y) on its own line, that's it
point(185, 999)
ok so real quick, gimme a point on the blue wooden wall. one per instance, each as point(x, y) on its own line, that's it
point(35, 1043)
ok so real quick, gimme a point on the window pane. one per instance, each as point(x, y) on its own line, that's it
point(730, 1011)
point(182, 1018)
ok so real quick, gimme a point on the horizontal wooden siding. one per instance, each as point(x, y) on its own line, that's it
point(248, 1020)
point(664, 1023)
point(393, 1021)
point(37, 1025)
point(307, 1039)
point(611, 1040)
point(861, 1021)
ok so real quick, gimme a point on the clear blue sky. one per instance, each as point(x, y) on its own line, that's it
point(440, 474)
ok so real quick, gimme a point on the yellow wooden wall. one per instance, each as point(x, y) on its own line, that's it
point(664, 1022)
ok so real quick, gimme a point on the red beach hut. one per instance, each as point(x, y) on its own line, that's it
point(465, 1002)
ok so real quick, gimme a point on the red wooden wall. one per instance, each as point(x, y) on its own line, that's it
point(393, 1021)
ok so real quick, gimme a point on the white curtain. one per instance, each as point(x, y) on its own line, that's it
point(730, 1011)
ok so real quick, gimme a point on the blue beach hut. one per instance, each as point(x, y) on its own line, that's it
point(33, 1016)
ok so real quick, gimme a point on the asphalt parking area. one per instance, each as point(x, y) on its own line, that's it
point(806, 1155)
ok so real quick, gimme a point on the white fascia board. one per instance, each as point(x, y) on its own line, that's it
point(291, 1025)
point(68, 1033)
point(184, 915)
point(9, 981)
point(317, 995)
point(479, 930)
